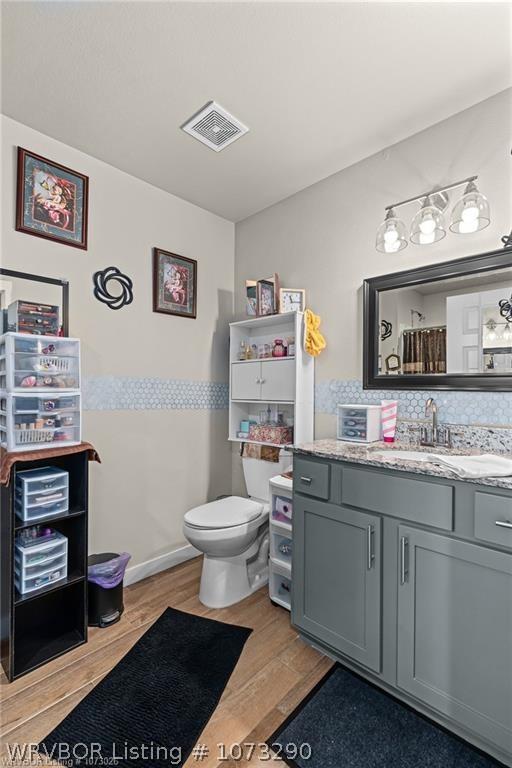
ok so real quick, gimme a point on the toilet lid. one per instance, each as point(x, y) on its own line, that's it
point(224, 513)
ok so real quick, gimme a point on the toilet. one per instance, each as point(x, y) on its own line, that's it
point(233, 535)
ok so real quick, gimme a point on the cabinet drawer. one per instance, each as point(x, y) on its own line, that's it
point(311, 477)
point(493, 518)
point(415, 500)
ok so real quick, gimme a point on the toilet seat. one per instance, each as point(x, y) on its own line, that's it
point(224, 513)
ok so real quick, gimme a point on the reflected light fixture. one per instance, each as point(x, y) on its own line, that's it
point(469, 214)
point(391, 236)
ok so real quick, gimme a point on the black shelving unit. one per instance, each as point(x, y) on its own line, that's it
point(50, 621)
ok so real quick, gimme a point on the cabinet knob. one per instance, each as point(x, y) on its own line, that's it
point(306, 480)
point(503, 524)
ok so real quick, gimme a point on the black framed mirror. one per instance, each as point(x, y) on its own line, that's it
point(443, 326)
point(35, 288)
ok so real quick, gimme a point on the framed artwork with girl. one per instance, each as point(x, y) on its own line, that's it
point(174, 284)
point(51, 200)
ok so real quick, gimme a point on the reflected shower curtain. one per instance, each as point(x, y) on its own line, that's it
point(424, 350)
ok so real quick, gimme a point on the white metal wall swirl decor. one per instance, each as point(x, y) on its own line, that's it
point(120, 291)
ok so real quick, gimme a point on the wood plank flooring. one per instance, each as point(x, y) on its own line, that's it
point(275, 672)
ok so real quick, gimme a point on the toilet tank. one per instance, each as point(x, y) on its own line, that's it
point(257, 474)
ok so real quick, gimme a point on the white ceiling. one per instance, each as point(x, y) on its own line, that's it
point(320, 85)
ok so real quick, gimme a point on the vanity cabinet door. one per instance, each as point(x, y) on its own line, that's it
point(278, 380)
point(455, 631)
point(246, 380)
point(336, 589)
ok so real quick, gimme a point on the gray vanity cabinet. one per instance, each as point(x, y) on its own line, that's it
point(337, 578)
point(454, 618)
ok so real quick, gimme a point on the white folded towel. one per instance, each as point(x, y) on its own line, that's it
point(485, 465)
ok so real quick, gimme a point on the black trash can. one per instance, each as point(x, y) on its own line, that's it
point(105, 602)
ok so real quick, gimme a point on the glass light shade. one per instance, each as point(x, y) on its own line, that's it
point(471, 212)
point(391, 236)
point(428, 225)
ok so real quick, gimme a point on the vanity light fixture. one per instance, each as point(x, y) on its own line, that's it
point(391, 234)
point(470, 214)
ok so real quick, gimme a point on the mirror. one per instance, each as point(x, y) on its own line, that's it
point(22, 286)
point(446, 326)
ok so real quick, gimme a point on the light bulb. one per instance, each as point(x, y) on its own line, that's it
point(467, 226)
point(390, 235)
point(491, 336)
point(427, 225)
point(427, 238)
point(470, 212)
point(392, 247)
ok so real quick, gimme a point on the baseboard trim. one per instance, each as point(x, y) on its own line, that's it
point(160, 563)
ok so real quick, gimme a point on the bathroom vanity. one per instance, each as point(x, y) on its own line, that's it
point(404, 574)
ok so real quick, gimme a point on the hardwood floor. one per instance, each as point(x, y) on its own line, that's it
point(275, 672)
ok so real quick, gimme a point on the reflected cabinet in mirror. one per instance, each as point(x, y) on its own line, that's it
point(445, 326)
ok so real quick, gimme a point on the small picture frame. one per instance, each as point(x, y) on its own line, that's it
point(51, 200)
point(174, 284)
point(251, 298)
point(265, 291)
point(292, 300)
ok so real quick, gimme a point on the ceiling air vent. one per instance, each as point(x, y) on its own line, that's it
point(214, 127)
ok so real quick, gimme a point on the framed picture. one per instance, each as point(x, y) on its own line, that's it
point(251, 300)
point(174, 284)
point(51, 200)
point(292, 300)
point(265, 297)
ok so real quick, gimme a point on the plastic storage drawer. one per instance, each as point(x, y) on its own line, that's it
point(38, 564)
point(281, 546)
point(31, 421)
point(39, 363)
point(280, 585)
point(29, 317)
point(40, 493)
point(359, 423)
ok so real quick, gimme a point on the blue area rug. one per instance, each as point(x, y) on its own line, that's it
point(348, 723)
point(150, 709)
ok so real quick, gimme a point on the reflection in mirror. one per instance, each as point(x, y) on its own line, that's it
point(458, 325)
point(15, 287)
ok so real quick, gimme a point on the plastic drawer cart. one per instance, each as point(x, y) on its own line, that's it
point(40, 493)
point(40, 563)
point(39, 363)
point(34, 421)
point(281, 541)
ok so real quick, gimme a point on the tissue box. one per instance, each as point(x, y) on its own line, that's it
point(267, 433)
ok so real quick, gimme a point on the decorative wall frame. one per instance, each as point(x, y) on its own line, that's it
point(51, 200)
point(121, 296)
point(174, 284)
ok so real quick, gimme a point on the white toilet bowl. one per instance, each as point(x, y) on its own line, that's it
point(233, 535)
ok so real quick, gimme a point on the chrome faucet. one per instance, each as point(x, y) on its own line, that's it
point(431, 435)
